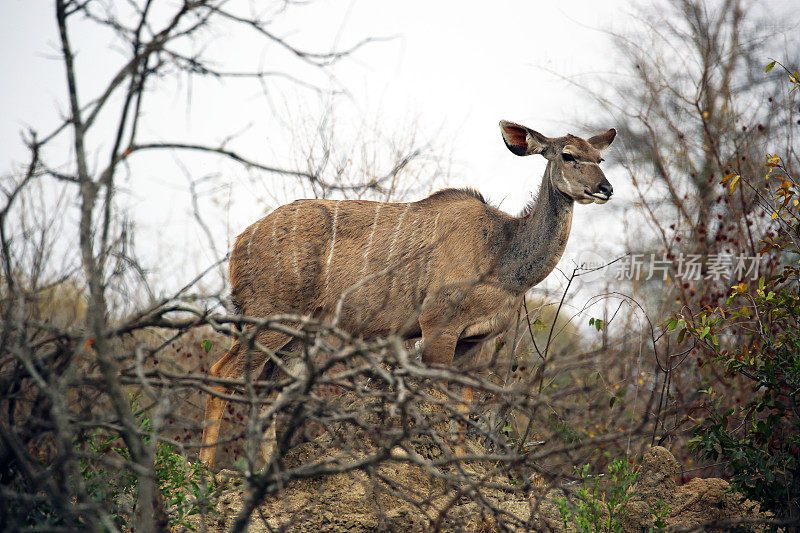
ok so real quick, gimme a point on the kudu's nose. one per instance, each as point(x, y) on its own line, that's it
point(606, 188)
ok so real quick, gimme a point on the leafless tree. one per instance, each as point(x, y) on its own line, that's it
point(53, 358)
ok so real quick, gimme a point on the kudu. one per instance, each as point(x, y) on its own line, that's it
point(449, 268)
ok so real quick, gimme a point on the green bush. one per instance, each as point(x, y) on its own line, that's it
point(599, 503)
point(187, 488)
point(759, 440)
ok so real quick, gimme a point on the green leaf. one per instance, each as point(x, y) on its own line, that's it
point(770, 66)
point(207, 344)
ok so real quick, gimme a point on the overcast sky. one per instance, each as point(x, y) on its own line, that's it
point(452, 70)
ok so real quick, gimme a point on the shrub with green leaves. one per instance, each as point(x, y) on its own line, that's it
point(756, 335)
point(599, 502)
point(187, 488)
point(760, 439)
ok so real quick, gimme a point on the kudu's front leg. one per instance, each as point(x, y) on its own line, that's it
point(439, 347)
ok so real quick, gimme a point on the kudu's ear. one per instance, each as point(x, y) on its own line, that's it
point(604, 140)
point(521, 140)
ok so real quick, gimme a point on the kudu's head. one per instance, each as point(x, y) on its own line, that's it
point(574, 162)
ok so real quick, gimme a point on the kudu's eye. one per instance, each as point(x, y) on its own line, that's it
point(567, 157)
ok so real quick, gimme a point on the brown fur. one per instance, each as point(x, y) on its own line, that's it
point(449, 268)
point(400, 245)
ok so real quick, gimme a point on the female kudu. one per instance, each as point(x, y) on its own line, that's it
point(449, 268)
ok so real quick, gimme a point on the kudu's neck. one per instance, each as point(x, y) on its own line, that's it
point(540, 238)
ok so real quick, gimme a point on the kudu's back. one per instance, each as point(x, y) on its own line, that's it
point(383, 260)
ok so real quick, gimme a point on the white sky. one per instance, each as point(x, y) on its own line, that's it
point(454, 69)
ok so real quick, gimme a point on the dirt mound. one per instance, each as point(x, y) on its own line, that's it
point(402, 496)
point(697, 502)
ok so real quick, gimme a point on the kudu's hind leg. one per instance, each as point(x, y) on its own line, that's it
point(232, 365)
point(215, 406)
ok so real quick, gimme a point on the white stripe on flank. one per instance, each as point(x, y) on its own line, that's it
point(250, 240)
point(397, 232)
point(369, 241)
point(333, 243)
point(416, 250)
point(274, 244)
point(431, 245)
point(294, 246)
point(433, 231)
